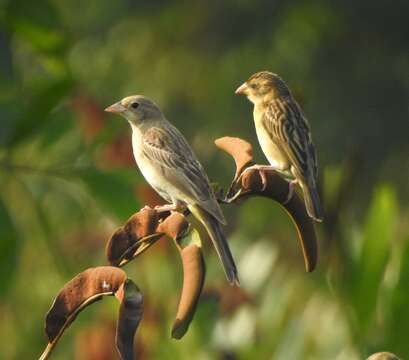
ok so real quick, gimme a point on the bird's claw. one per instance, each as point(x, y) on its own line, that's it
point(291, 186)
point(263, 179)
point(146, 207)
point(168, 207)
point(261, 170)
point(233, 198)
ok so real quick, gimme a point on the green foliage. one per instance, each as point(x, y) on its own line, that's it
point(369, 267)
point(9, 249)
point(113, 190)
point(37, 114)
point(398, 324)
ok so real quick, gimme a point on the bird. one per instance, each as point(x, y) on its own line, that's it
point(284, 136)
point(170, 166)
point(383, 356)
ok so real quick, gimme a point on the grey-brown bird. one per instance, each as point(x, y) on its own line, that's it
point(284, 135)
point(169, 165)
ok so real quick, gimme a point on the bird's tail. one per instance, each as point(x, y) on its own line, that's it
point(312, 200)
point(215, 232)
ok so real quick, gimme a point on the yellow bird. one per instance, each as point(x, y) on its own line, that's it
point(284, 136)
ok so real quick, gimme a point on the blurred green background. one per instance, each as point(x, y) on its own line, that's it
point(67, 177)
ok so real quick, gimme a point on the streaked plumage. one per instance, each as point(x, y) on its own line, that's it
point(169, 165)
point(284, 134)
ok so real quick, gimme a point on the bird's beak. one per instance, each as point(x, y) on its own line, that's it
point(116, 108)
point(242, 89)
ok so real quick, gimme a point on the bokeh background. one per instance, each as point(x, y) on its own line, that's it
point(67, 176)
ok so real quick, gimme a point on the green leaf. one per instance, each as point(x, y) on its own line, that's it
point(370, 268)
point(114, 190)
point(399, 312)
point(9, 249)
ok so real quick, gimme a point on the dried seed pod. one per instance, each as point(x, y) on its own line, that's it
point(142, 223)
point(137, 235)
point(242, 150)
point(83, 290)
point(193, 280)
point(174, 226)
point(130, 315)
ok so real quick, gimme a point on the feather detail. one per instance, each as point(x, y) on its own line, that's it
point(165, 147)
point(289, 130)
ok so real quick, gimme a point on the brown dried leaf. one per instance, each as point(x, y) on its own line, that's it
point(137, 235)
point(116, 246)
point(141, 224)
point(193, 280)
point(175, 226)
point(84, 289)
point(239, 149)
point(130, 314)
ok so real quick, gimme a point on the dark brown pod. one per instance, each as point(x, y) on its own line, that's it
point(130, 315)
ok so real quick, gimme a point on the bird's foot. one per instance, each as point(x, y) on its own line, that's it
point(262, 171)
point(168, 207)
point(233, 198)
point(146, 207)
point(291, 187)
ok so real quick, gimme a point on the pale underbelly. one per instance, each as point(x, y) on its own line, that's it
point(273, 154)
point(160, 183)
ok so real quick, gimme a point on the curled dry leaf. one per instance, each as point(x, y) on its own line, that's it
point(130, 314)
point(174, 226)
point(142, 230)
point(130, 240)
point(84, 289)
point(193, 280)
point(177, 228)
point(125, 244)
point(242, 149)
point(277, 188)
point(142, 223)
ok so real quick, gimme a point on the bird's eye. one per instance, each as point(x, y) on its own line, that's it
point(253, 86)
point(135, 105)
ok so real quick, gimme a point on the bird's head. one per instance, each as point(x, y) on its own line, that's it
point(262, 86)
point(136, 109)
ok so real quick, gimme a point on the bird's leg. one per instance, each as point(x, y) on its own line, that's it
point(261, 169)
point(177, 206)
point(146, 207)
point(291, 187)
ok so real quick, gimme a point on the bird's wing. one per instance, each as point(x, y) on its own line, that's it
point(289, 130)
point(166, 147)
